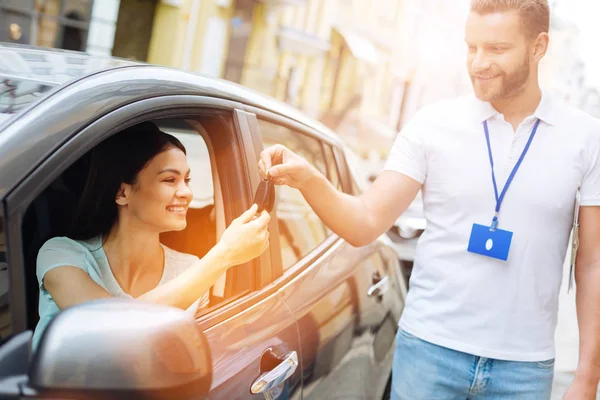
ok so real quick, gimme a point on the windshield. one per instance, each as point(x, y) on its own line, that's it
point(16, 94)
point(28, 74)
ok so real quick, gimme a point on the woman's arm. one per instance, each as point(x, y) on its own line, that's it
point(187, 287)
point(245, 239)
point(70, 286)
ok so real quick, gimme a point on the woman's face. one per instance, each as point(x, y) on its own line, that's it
point(160, 197)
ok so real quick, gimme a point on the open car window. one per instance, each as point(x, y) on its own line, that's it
point(51, 211)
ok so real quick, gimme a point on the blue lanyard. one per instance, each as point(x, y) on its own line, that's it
point(500, 198)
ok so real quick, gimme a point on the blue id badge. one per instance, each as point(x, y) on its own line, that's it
point(490, 243)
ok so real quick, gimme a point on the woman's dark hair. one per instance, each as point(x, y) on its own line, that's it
point(116, 160)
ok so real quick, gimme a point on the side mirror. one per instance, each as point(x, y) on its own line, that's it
point(121, 349)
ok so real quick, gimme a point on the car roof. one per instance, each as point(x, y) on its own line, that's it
point(52, 66)
point(35, 130)
point(29, 73)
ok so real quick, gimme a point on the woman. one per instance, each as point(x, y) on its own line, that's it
point(137, 187)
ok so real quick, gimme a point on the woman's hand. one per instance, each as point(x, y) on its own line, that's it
point(246, 238)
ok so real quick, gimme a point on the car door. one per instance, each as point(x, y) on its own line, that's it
point(347, 300)
point(252, 336)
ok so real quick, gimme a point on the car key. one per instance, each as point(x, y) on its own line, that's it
point(265, 196)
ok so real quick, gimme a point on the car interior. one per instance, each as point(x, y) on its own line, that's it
point(48, 215)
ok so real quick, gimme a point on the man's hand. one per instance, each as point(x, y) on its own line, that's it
point(582, 389)
point(284, 167)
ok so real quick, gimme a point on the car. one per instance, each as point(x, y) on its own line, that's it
point(312, 318)
point(405, 235)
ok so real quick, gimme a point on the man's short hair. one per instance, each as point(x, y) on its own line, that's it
point(535, 14)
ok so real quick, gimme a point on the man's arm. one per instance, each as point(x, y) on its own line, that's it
point(358, 220)
point(587, 277)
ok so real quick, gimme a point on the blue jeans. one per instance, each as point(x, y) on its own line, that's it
point(424, 371)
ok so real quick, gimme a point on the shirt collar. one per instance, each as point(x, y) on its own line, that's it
point(544, 112)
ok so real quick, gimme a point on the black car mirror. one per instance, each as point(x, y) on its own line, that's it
point(121, 349)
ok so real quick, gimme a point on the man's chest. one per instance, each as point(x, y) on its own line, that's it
point(459, 174)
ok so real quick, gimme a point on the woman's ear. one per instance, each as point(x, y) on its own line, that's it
point(123, 194)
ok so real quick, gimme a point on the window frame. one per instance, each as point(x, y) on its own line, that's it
point(281, 277)
point(80, 142)
point(4, 264)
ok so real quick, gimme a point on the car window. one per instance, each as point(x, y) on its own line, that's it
point(332, 168)
point(358, 179)
point(51, 211)
point(4, 304)
point(16, 94)
point(301, 231)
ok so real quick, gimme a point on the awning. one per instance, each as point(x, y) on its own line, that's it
point(298, 42)
point(360, 47)
point(282, 2)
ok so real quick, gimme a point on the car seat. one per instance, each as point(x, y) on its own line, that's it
point(46, 217)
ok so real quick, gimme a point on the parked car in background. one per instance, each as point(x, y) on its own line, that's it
point(405, 235)
point(312, 318)
point(407, 229)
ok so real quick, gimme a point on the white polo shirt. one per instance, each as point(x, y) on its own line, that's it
point(468, 302)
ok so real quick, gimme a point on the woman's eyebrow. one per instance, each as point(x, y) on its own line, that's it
point(173, 170)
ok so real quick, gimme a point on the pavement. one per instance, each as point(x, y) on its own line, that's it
point(562, 380)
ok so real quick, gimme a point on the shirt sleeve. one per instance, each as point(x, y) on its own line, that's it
point(408, 155)
point(590, 185)
point(59, 252)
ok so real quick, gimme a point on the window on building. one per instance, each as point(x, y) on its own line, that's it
point(63, 23)
point(301, 231)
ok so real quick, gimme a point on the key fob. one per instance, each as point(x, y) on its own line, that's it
point(265, 196)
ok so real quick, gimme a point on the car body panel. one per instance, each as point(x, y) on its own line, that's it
point(347, 337)
point(238, 344)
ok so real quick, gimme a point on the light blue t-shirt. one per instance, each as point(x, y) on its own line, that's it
point(89, 256)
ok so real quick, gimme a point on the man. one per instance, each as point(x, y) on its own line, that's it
point(499, 173)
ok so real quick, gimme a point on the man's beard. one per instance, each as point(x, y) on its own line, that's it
point(509, 84)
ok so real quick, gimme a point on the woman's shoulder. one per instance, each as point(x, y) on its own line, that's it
point(63, 251)
point(63, 243)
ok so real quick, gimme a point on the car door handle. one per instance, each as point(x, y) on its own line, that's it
point(277, 375)
point(379, 288)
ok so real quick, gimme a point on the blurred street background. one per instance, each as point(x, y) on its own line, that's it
point(362, 67)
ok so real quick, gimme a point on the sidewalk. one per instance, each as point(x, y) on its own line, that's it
point(562, 380)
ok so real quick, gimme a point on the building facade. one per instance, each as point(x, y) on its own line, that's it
point(336, 60)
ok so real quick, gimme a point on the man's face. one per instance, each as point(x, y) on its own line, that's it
point(498, 57)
